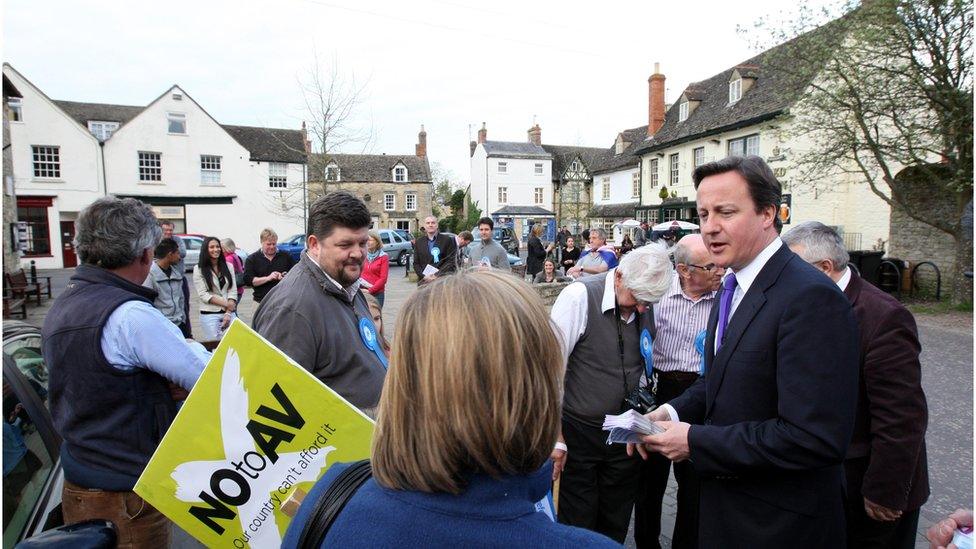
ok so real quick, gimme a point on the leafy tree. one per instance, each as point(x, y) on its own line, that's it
point(890, 88)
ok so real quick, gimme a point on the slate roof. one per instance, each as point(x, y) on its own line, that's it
point(772, 93)
point(374, 168)
point(563, 156)
point(612, 162)
point(514, 149)
point(83, 112)
point(523, 210)
point(270, 144)
point(613, 210)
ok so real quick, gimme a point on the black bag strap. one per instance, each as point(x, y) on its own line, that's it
point(328, 507)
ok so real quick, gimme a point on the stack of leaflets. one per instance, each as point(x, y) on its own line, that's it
point(629, 426)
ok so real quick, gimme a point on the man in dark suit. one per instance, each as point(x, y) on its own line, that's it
point(436, 249)
point(767, 428)
point(887, 473)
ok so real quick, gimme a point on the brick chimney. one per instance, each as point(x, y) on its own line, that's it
point(535, 135)
point(482, 133)
point(655, 101)
point(305, 140)
point(422, 142)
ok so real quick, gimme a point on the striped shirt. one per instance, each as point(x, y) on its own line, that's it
point(679, 319)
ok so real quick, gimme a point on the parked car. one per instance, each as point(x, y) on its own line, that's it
point(396, 244)
point(507, 238)
point(193, 243)
point(514, 260)
point(32, 477)
point(294, 245)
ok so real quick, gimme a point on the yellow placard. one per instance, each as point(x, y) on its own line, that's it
point(255, 427)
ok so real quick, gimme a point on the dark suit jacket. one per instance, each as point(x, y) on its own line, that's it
point(447, 260)
point(886, 461)
point(535, 256)
point(773, 416)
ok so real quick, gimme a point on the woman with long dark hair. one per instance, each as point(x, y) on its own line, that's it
point(216, 289)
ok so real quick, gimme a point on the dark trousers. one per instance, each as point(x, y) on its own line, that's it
point(185, 329)
point(598, 485)
point(865, 532)
point(654, 482)
point(186, 308)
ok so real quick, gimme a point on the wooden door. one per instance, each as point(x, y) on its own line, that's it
point(67, 244)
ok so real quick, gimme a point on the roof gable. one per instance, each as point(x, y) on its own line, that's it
point(375, 168)
point(564, 155)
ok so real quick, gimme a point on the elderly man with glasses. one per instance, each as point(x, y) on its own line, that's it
point(680, 316)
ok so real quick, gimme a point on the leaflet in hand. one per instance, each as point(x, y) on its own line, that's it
point(629, 427)
point(430, 270)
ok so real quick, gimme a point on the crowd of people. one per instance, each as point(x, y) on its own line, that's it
point(787, 389)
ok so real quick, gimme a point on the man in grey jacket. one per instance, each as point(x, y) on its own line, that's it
point(486, 251)
point(317, 315)
point(167, 279)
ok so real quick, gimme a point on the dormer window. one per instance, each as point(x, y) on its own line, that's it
point(735, 90)
point(683, 111)
point(400, 174)
point(332, 172)
point(16, 111)
point(574, 166)
point(102, 130)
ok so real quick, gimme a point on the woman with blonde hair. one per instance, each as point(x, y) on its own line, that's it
point(464, 432)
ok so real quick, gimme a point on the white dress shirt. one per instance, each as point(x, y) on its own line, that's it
point(744, 279)
point(845, 279)
point(569, 313)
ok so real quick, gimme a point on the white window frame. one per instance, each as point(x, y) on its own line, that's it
point(574, 166)
point(503, 167)
point(101, 129)
point(652, 170)
point(277, 175)
point(674, 169)
point(539, 168)
point(540, 194)
point(210, 169)
point(177, 118)
point(16, 106)
point(333, 167)
point(150, 167)
point(46, 161)
point(411, 201)
point(503, 195)
point(743, 146)
point(399, 227)
point(682, 111)
point(400, 174)
point(653, 216)
point(670, 214)
point(698, 153)
point(605, 189)
point(735, 90)
point(389, 202)
point(635, 185)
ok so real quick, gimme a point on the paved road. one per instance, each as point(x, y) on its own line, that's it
point(947, 377)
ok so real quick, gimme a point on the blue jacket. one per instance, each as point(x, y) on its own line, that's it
point(489, 513)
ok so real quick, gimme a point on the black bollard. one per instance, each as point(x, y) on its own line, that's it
point(33, 272)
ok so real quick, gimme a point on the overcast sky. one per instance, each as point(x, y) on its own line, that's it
point(579, 68)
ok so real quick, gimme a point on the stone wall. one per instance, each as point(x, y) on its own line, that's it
point(11, 260)
point(372, 195)
point(914, 241)
point(549, 292)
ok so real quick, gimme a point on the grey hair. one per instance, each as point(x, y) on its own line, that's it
point(599, 232)
point(819, 242)
point(112, 233)
point(228, 243)
point(647, 272)
point(681, 254)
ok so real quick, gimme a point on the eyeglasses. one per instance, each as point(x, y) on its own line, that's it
point(710, 267)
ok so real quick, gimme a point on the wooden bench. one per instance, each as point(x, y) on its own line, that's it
point(12, 302)
point(17, 282)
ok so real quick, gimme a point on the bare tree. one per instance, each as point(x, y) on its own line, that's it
point(332, 101)
point(889, 101)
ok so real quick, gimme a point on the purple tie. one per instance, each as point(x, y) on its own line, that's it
point(724, 308)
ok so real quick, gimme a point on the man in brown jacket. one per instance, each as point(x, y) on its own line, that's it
point(887, 474)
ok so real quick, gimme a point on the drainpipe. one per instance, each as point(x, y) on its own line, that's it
point(305, 198)
point(101, 146)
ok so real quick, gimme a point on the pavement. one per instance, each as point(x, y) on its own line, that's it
point(947, 378)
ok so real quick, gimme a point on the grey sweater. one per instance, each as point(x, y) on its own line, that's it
point(169, 290)
point(316, 324)
point(492, 250)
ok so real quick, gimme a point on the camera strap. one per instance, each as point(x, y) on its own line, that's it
point(620, 340)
